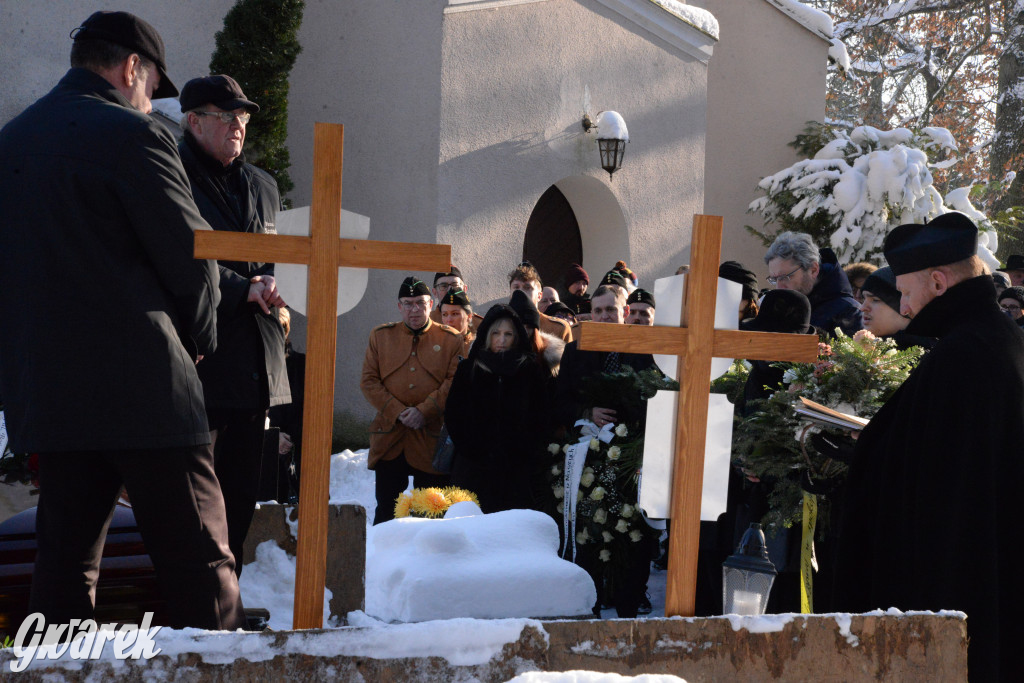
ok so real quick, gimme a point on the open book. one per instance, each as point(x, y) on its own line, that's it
point(819, 413)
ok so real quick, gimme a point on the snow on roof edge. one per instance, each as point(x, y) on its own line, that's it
point(700, 19)
point(813, 19)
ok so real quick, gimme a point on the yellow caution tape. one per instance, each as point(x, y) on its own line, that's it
point(808, 562)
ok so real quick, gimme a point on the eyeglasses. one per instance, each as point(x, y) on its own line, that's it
point(226, 116)
point(776, 279)
point(418, 305)
point(445, 286)
point(1009, 309)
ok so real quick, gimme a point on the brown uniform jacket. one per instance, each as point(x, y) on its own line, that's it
point(467, 339)
point(556, 327)
point(405, 369)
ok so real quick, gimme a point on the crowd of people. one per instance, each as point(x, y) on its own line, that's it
point(517, 384)
point(163, 383)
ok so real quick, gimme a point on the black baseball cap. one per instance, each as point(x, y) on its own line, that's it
point(127, 30)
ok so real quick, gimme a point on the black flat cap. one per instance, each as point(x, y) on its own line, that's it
point(455, 297)
point(219, 90)
point(558, 309)
point(452, 272)
point(127, 30)
point(413, 287)
point(641, 296)
point(882, 283)
point(945, 239)
point(782, 310)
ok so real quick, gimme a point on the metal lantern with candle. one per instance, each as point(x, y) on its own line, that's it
point(747, 576)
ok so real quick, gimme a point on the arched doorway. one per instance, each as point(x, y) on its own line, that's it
point(552, 240)
point(576, 220)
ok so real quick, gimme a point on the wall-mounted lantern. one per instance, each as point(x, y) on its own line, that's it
point(612, 137)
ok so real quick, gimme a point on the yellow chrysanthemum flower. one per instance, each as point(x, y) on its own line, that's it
point(456, 495)
point(430, 502)
point(402, 505)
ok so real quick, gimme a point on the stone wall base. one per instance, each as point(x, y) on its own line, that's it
point(873, 647)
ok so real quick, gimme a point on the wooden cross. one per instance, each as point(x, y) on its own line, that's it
point(695, 344)
point(323, 252)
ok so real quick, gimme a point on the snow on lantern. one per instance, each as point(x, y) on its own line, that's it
point(612, 136)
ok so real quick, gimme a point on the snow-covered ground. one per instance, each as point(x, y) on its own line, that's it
point(270, 580)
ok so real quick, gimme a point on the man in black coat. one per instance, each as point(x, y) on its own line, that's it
point(571, 403)
point(247, 375)
point(932, 499)
point(795, 262)
point(105, 315)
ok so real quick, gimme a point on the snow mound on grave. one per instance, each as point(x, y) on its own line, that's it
point(494, 566)
point(269, 582)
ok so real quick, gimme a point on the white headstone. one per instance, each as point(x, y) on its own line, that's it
point(662, 411)
point(292, 278)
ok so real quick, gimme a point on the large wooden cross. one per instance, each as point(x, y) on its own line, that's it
point(695, 344)
point(324, 251)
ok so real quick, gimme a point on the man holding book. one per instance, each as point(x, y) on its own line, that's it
point(931, 507)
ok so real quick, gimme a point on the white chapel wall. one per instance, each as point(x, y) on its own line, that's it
point(516, 83)
point(765, 80)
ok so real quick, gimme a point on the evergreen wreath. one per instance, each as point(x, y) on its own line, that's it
point(608, 517)
point(854, 375)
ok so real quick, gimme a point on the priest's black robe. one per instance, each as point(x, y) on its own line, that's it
point(931, 517)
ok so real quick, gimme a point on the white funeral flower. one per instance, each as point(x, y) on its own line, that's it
point(586, 479)
point(627, 511)
point(635, 535)
point(605, 555)
point(582, 537)
point(608, 538)
point(565, 449)
point(559, 492)
point(614, 452)
point(597, 494)
point(620, 430)
point(622, 527)
point(595, 444)
point(600, 516)
point(554, 448)
point(556, 470)
point(789, 376)
point(561, 507)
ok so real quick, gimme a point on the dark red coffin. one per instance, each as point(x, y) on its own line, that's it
point(127, 587)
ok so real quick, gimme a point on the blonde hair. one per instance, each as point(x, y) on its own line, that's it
point(285, 318)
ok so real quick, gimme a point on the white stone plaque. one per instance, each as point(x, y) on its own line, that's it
point(668, 292)
point(659, 439)
point(292, 278)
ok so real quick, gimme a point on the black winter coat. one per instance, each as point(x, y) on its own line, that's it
point(104, 308)
point(247, 373)
point(495, 413)
point(931, 516)
point(832, 302)
point(570, 401)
